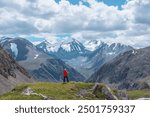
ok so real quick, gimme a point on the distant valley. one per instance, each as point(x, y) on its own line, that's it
point(41, 66)
point(86, 57)
point(117, 65)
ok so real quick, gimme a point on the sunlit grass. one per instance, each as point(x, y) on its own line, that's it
point(135, 94)
point(56, 91)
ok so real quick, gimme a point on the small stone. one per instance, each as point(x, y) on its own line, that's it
point(122, 95)
point(28, 91)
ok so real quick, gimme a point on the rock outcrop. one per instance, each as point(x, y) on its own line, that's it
point(11, 73)
point(28, 91)
point(104, 90)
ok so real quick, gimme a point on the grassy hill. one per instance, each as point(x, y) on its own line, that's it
point(68, 91)
point(55, 91)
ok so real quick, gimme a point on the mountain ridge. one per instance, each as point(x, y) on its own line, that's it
point(127, 71)
point(83, 60)
point(11, 73)
point(41, 66)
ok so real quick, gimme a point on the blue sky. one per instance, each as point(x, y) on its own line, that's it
point(114, 2)
point(35, 39)
point(37, 20)
point(108, 2)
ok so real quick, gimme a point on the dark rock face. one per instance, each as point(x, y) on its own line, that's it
point(126, 71)
point(106, 53)
point(11, 73)
point(21, 46)
point(135, 85)
point(40, 65)
point(52, 70)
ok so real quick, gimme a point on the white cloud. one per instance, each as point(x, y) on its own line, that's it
point(46, 18)
point(50, 37)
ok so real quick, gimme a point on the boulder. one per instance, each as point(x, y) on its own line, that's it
point(104, 91)
point(109, 95)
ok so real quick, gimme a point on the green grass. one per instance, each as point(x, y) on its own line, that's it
point(56, 91)
point(68, 91)
point(135, 94)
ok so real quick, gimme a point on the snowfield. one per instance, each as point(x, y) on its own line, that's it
point(14, 49)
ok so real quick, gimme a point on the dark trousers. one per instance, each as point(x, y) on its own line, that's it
point(66, 78)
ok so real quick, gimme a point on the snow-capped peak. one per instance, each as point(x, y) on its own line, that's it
point(75, 41)
point(74, 45)
point(66, 46)
point(92, 44)
point(46, 42)
point(48, 47)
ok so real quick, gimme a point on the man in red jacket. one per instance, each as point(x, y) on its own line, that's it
point(65, 75)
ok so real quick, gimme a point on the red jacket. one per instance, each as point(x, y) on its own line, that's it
point(65, 73)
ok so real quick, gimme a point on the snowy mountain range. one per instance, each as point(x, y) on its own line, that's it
point(74, 45)
point(63, 50)
point(41, 66)
point(86, 58)
point(92, 45)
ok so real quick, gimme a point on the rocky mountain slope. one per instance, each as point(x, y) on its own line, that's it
point(41, 66)
point(130, 70)
point(85, 58)
point(103, 54)
point(11, 74)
